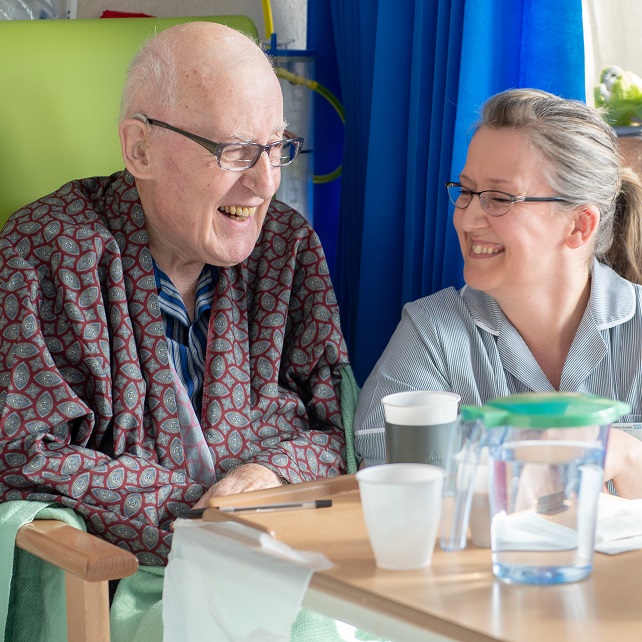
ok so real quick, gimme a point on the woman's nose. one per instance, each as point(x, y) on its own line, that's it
point(474, 215)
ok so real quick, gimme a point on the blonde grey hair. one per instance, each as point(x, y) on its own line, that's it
point(151, 74)
point(585, 166)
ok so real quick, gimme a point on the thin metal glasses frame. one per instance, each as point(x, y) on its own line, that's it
point(511, 199)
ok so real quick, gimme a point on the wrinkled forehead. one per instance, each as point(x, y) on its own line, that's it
point(236, 87)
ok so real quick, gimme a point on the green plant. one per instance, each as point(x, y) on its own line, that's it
point(619, 94)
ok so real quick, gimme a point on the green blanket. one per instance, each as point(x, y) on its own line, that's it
point(349, 398)
point(24, 578)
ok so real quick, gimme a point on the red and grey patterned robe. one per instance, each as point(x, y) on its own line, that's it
point(88, 406)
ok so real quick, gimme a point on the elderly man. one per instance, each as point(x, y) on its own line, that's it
point(170, 333)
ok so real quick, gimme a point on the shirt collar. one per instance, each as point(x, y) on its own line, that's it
point(611, 303)
point(168, 293)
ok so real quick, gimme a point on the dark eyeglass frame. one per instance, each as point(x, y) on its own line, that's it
point(510, 198)
point(217, 149)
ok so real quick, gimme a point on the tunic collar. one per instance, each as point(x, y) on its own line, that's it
point(612, 302)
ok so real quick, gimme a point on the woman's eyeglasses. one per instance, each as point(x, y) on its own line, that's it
point(494, 203)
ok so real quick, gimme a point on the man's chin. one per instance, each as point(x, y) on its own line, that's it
point(231, 259)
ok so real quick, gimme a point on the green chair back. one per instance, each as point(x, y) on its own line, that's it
point(60, 83)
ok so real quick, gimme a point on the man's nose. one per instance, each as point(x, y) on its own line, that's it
point(262, 178)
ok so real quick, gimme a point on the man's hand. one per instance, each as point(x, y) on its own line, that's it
point(239, 480)
point(623, 464)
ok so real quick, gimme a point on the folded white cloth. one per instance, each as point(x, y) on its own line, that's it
point(619, 525)
point(529, 531)
point(225, 581)
point(618, 528)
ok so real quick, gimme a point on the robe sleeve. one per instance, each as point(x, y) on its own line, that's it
point(296, 353)
point(310, 444)
point(55, 443)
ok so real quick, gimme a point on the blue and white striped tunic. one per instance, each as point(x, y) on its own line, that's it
point(461, 341)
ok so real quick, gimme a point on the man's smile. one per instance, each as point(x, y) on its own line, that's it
point(237, 212)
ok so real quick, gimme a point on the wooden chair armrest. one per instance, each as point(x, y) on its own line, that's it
point(82, 554)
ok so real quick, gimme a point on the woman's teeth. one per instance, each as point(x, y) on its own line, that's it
point(237, 212)
point(484, 249)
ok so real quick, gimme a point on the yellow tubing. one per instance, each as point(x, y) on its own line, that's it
point(295, 79)
point(267, 19)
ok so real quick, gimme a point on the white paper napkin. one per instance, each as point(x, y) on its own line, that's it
point(228, 582)
point(528, 531)
point(619, 525)
point(618, 529)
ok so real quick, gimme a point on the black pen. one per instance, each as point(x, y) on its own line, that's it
point(268, 508)
point(197, 513)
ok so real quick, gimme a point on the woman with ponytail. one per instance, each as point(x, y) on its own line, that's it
point(550, 228)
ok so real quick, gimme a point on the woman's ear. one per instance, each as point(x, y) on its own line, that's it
point(585, 221)
point(134, 147)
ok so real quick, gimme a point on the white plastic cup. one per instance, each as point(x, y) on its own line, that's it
point(401, 506)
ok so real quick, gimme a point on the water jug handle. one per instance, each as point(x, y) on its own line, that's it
point(466, 441)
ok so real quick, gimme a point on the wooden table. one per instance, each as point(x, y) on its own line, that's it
point(457, 597)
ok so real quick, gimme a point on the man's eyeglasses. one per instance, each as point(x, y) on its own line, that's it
point(494, 203)
point(237, 157)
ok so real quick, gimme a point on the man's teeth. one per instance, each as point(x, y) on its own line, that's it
point(484, 249)
point(238, 212)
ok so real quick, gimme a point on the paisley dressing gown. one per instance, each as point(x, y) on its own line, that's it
point(90, 414)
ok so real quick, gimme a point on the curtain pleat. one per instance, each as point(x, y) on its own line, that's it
point(413, 76)
point(354, 23)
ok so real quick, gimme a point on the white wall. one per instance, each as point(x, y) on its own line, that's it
point(289, 16)
point(613, 36)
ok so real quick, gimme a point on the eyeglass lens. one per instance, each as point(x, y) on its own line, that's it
point(244, 155)
point(495, 203)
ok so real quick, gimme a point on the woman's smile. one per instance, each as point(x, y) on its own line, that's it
point(480, 249)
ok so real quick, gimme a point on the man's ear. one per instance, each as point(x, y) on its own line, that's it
point(585, 221)
point(134, 147)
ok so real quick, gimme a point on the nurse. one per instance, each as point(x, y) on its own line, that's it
point(547, 219)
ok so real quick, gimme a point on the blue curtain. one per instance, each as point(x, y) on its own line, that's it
point(412, 76)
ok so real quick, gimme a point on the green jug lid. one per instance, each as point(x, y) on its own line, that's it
point(547, 410)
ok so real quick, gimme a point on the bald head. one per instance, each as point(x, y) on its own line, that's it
point(189, 64)
point(193, 91)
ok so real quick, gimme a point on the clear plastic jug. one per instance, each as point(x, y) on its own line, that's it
point(545, 472)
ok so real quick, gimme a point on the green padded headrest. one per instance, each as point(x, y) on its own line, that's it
point(60, 83)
